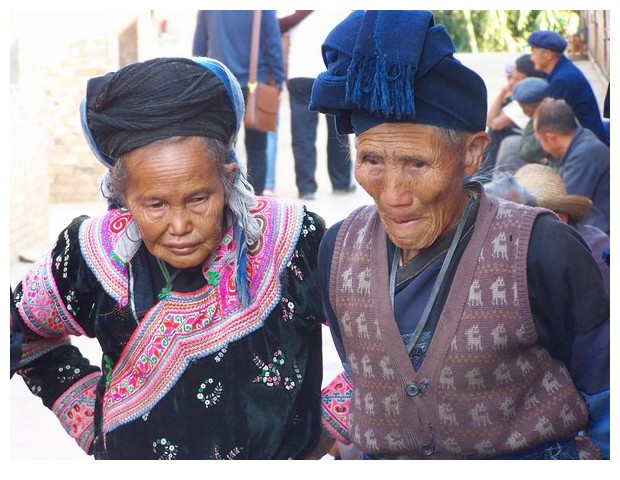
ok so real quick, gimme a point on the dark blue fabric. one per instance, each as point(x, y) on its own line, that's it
point(226, 36)
point(304, 124)
point(396, 66)
point(548, 40)
point(567, 82)
point(256, 161)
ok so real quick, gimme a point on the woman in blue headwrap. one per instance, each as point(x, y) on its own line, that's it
point(203, 297)
point(468, 326)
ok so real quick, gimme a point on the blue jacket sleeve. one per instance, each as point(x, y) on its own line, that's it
point(271, 47)
point(598, 427)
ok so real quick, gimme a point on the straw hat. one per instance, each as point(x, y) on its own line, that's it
point(550, 192)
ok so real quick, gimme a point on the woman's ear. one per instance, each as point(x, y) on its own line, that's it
point(474, 152)
point(230, 170)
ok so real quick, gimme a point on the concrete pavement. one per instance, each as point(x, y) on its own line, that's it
point(35, 432)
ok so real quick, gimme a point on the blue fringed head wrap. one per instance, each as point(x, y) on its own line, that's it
point(162, 98)
point(396, 66)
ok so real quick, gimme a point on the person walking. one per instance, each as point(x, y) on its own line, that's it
point(304, 64)
point(225, 35)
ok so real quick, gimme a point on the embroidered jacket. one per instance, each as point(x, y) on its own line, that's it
point(485, 388)
point(195, 375)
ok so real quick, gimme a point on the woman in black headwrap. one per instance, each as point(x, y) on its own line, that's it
point(202, 296)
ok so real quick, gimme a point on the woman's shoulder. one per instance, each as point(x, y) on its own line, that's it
point(112, 234)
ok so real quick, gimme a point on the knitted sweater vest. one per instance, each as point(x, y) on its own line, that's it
point(485, 388)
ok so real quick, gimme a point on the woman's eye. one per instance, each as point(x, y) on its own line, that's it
point(370, 159)
point(197, 200)
point(416, 162)
point(155, 205)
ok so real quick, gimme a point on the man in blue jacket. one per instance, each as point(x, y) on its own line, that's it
point(226, 35)
point(566, 81)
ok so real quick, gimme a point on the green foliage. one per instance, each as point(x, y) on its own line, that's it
point(503, 30)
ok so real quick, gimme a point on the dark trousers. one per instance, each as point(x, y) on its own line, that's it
point(304, 125)
point(256, 155)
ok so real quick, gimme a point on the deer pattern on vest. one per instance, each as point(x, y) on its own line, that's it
point(485, 387)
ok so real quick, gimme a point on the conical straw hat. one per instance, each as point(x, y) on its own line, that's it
point(550, 192)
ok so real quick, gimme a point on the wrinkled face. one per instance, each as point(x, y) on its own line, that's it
point(542, 58)
point(415, 176)
point(176, 196)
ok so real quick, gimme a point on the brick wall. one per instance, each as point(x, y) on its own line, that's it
point(52, 57)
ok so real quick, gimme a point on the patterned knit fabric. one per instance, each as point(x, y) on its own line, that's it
point(485, 388)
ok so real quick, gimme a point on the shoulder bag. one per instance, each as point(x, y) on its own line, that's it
point(263, 99)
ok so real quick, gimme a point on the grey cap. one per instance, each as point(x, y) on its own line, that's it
point(530, 90)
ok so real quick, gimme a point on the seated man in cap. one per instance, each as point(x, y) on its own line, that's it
point(518, 150)
point(459, 317)
point(580, 158)
point(566, 81)
point(505, 118)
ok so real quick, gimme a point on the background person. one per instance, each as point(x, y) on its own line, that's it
point(505, 117)
point(461, 320)
point(226, 35)
point(203, 297)
point(550, 192)
point(566, 81)
point(304, 64)
point(580, 158)
point(518, 150)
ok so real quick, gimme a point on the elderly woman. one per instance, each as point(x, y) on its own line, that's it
point(203, 297)
point(468, 326)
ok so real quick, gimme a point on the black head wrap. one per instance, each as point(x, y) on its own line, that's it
point(157, 99)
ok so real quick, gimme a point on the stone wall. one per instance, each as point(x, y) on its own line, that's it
point(53, 54)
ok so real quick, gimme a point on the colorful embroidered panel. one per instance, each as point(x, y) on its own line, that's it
point(335, 403)
point(42, 307)
point(76, 409)
point(188, 326)
point(100, 240)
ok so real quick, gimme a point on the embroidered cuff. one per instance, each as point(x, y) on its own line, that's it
point(75, 409)
point(335, 403)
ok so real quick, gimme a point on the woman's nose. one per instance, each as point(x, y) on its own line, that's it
point(395, 189)
point(179, 222)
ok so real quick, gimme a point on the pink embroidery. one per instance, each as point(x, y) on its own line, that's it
point(75, 409)
point(98, 239)
point(42, 307)
point(335, 402)
point(185, 327)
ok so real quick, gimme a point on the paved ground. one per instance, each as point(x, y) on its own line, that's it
point(35, 432)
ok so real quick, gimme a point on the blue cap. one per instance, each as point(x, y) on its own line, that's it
point(392, 66)
point(548, 40)
point(530, 90)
